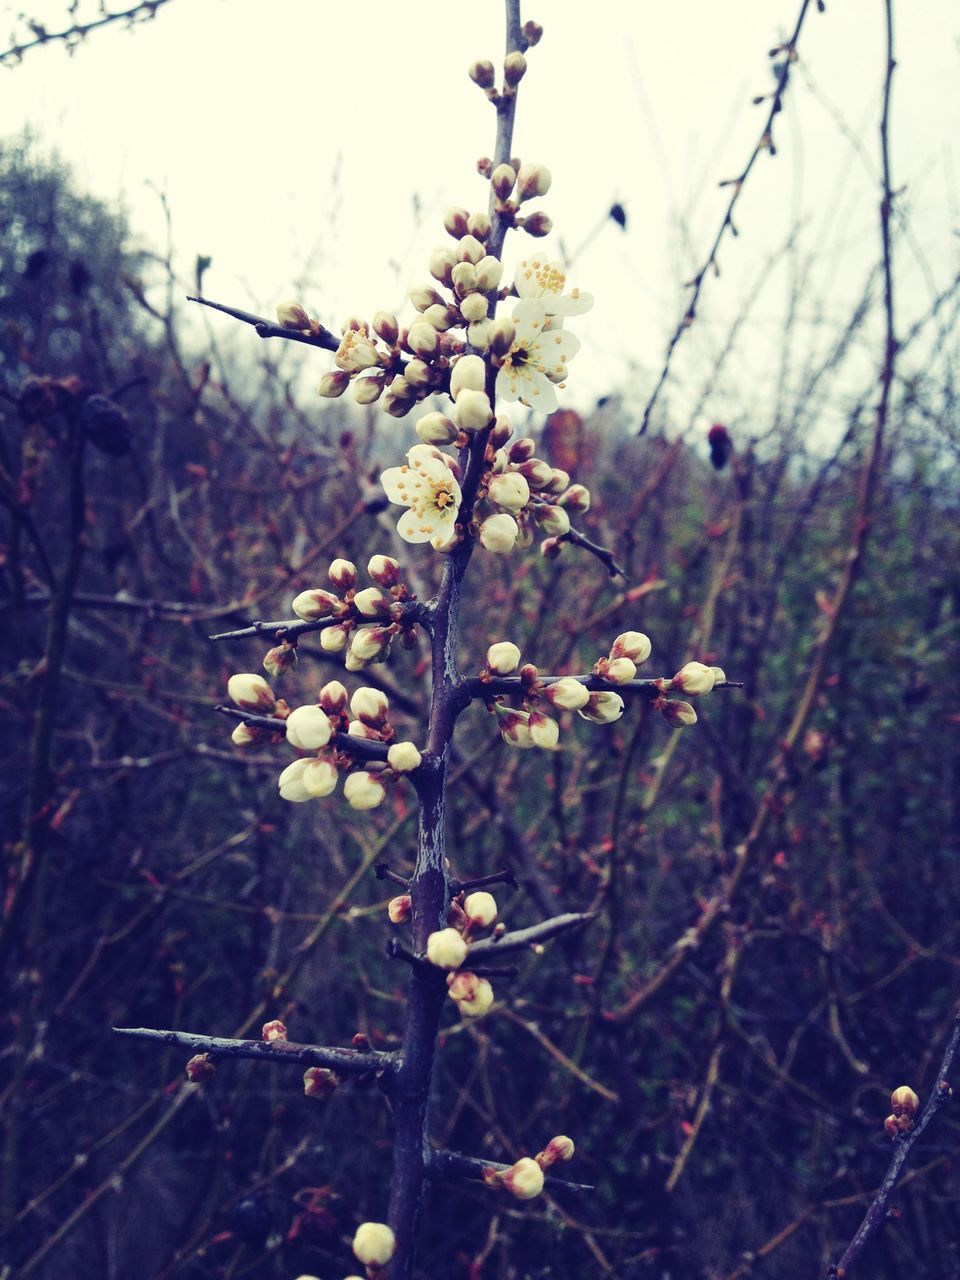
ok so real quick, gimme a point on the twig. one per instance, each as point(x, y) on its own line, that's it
point(603, 554)
point(452, 1164)
point(359, 748)
point(522, 939)
point(347, 1061)
point(145, 10)
point(267, 329)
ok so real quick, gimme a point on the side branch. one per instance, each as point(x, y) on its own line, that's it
point(523, 939)
point(452, 1164)
point(359, 748)
point(475, 688)
point(267, 329)
point(289, 628)
point(603, 554)
point(345, 1061)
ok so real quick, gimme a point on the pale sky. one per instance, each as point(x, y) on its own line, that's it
point(301, 137)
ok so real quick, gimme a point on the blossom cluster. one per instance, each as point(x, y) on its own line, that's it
point(469, 916)
point(312, 730)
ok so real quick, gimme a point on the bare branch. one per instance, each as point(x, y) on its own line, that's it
point(345, 1061)
point(267, 329)
point(522, 939)
point(452, 1164)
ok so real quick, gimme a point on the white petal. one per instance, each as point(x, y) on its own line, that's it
point(538, 391)
point(414, 528)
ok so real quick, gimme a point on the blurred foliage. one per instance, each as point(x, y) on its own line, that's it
point(179, 891)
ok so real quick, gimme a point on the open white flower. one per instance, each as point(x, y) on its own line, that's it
point(538, 278)
point(428, 487)
point(537, 359)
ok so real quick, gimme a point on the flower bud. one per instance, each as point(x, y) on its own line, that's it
point(482, 73)
point(436, 428)
point(291, 315)
point(251, 692)
point(464, 278)
point(602, 708)
point(533, 32)
point(473, 309)
point(503, 657)
point(371, 603)
point(536, 472)
point(470, 250)
point(442, 261)
point(369, 643)
point(355, 352)
point(473, 995)
point(364, 790)
point(503, 334)
point(567, 694)
point(618, 670)
point(333, 697)
point(370, 706)
point(386, 327)
point(201, 1066)
point(468, 374)
point(514, 727)
point(400, 909)
point(559, 480)
point(480, 226)
point(441, 317)
point(503, 180)
point(719, 676)
point(292, 786)
point(694, 679)
point(501, 433)
point(533, 180)
point(522, 450)
point(525, 1179)
point(498, 534)
point(489, 273)
point(280, 658)
point(403, 757)
point(422, 338)
point(633, 645)
point(333, 384)
point(678, 714)
point(274, 1030)
point(319, 778)
point(552, 520)
point(320, 1082)
point(308, 728)
point(384, 570)
point(334, 639)
point(374, 1244)
point(892, 1127)
point(315, 604)
point(455, 222)
point(426, 296)
point(357, 729)
point(472, 410)
point(538, 224)
point(557, 1149)
point(343, 574)
point(544, 731)
point(480, 908)
point(368, 390)
point(399, 398)
point(904, 1101)
point(478, 335)
point(576, 498)
point(509, 490)
point(245, 735)
point(514, 67)
point(446, 949)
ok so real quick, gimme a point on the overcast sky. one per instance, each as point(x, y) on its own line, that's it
point(306, 137)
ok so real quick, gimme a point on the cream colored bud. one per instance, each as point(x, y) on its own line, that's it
point(368, 390)
point(538, 224)
point(357, 729)
point(502, 431)
point(422, 338)
point(370, 706)
point(719, 676)
point(502, 180)
point(418, 373)
point(333, 697)
point(567, 694)
point(425, 296)
point(904, 1101)
point(522, 450)
point(602, 708)
point(245, 735)
point(576, 498)
point(503, 658)
point(441, 317)
point(403, 757)
point(544, 731)
point(273, 1030)
point(290, 315)
point(509, 490)
point(371, 603)
point(319, 778)
point(633, 645)
point(473, 995)
point(455, 222)
point(333, 384)
point(619, 670)
point(480, 908)
point(678, 714)
point(400, 398)
point(355, 352)
point(352, 663)
point(482, 73)
point(891, 1127)
point(368, 643)
point(559, 479)
point(446, 949)
point(472, 410)
point(537, 472)
point(533, 31)
point(557, 1149)
point(363, 790)
point(468, 374)
point(291, 783)
point(374, 1244)
point(442, 261)
point(308, 728)
point(694, 679)
point(464, 278)
point(503, 334)
point(436, 428)
point(280, 658)
point(334, 639)
point(478, 334)
point(473, 308)
point(533, 180)
point(386, 327)
point(384, 570)
point(525, 1179)
point(480, 226)
point(400, 909)
point(489, 273)
point(320, 1082)
point(552, 520)
point(514, 67)
point(514, 727)
point(251, 692)
point(343, 574)
point(315, 604)
point(499, 533)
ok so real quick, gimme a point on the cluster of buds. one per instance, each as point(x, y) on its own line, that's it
point(524, 1179)
point(694, 679)
point(360, 623)
point(904, 1105)
point(313, 731)
point(470, 915)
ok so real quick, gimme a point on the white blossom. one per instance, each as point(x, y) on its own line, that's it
point(536, 360)
point(428, 487)
point(543, 280)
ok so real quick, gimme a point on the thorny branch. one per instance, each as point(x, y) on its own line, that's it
point(72, 35)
